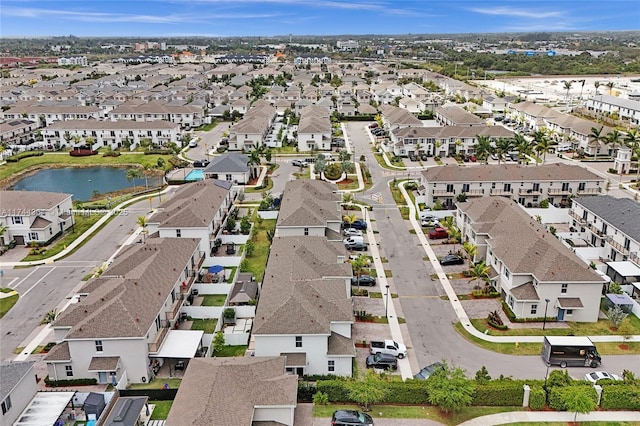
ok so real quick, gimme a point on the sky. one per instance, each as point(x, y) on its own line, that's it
point(228, 18)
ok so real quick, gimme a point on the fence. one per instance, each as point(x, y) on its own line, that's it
point(268, 214)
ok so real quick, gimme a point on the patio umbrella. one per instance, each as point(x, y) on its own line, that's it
point(215, 269)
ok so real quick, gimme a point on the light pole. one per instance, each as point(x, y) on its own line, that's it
point(544, 321)
point(545, 382)
point(386, 304)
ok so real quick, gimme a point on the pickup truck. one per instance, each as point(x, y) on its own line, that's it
point(387, 347)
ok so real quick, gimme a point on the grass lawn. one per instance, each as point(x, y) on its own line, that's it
point(160, 409)
point(7, 303)
point(207, 127)
point(571, 423)
point(416, 412)
point(351, 184)
point(231, 273)
point(157, 383)
point(257, 262)
point(231, 351)
point(214, 299)
point(384, 165)
point(269, 187)
point(206, 325)
point(64, 159)
point(600, 328)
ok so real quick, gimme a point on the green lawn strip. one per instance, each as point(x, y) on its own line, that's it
point(82, 224)
point(64, 160)
point(383, 164)
point(158, 383)
point(214, 299)
point(161, 409)
point(207, 127)
point(599, 328)
point(6, 303)
point(416, 412)
point(378, 295)
point(257, 262)
point(268, 187)
point(231, 351)
point(231, 273)
point(206, 325)
point(285, 150)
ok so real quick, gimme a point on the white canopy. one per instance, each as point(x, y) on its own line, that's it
point(180, 344)
point(44, 409)
point(625, 268)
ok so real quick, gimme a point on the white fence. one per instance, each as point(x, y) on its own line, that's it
point(238, 239)
point(268, 214)
point(204, 312)
point(223, 260)
point(212, 288)
point(236, 339)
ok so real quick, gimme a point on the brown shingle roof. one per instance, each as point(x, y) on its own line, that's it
point(340, 345)
point(570, 303)
point(40, 223)
point(525, 291)
point(104, 363)
point(225, 391)
point(308, 202)
point(555, 172)
point(295, 359)
point(59, 352)
point(29, 200)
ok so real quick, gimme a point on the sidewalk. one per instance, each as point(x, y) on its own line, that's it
point(553, 416)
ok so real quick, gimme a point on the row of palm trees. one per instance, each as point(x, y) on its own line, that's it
point(540, 143)
point(615, 139)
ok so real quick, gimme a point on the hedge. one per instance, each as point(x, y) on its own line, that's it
point(336, 390)
point(70, 382)
point(26, 154)
point(620, 397)
point(512, 317)
point(408, 392)
point(367, 117)
point(306, 391)
point(158, 152)
point(556, 395)
point(499, 393)
point(537, 398)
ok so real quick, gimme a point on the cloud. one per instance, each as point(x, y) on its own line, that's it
point(520, 13)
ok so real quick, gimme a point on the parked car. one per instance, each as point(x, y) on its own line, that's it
point(382, 361)
point(427, 371)
point(351, 418)
point(353, 239)
point(424, 157)
point(438, 234)
point(352, 232)
point(356, 247)
point(413, 157)
point(357, 224)
point(431, 223)
point(193, 143)
point(452, 259)
point(593, 377)
point(365, 280)
point(373, 125)
point(201, 163)
point(427, 215)
point(299, 163)
point(388, 347)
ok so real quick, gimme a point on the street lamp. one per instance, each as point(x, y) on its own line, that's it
point(386, 304)
point(544, 321)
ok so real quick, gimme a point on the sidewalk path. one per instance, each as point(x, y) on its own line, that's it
point(553, 416)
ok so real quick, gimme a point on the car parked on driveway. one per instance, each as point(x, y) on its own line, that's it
point(438, 234)
point(431, 223)
point(352, 239)
point(357, 224)
point(452, 259)
point(427, 371)
point(352, 232)
point(299, 163)
point(356, 247)
point(351, 418)
point(365, 280)
point(382, 361)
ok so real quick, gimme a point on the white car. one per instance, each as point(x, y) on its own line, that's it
point(353, 239)
point(431, 223)
point(594, 376)
point(352, 232)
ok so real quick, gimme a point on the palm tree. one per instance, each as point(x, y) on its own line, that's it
point(633, 141)
point(254, 160)
point(479, 271)
point(454, 236)
point(503, 146)
point(582, 87)
point(359, 265)
point(349, 219)
point(49, 317)
point(67, 137)
point(484, 148)
point(542, 144)
point(3, 229)
point(471, 250)
point(132, 174)
point(596, 85)
point(142, 222)
point(610, 86)
point(613, 139)
point(523, 146)
point(567, 85)
point(597, 138)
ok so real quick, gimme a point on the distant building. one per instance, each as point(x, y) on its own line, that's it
point(348, 45)
point(76, 60)
point(311, 60)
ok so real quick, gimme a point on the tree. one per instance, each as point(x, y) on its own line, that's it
point(49, 317)
point(543, 143)
point(567, 85)
point(632, 140)
point(449, 389)
point(559, 378)
point(320, 164)
point(368, 390)
point(615, 288)
point(482, 375)
point(613, 139)
point(616, 315)
point(503, 146)
point(579, 399)
point(347, 197)
point(596, 84)
point(344, 155)
point(610, 86)
point(268, 155)
point(523, 146)
point(349, 219)
point(471, 250)
point(132, 174)
point(484, 148)
point(218, 342)
point(3, 229)
point(454, 236)
point(359, 266)
point(142, 222)
point(479, 271)
point(249, 248)
point(597, 138)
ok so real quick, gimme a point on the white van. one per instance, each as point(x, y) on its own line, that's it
point(327, 156)
point(354, 239)
point(193, 143)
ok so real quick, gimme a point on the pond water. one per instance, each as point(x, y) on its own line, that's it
point(81, 182)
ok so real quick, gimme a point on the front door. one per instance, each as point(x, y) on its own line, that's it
point(19, 239)
point(560, 314)
point(102, 377)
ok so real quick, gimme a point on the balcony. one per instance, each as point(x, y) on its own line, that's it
point(634, 258)
point(172, 314)
point(443, 193)
point(596, 231)
point(501, 192)
point(554, 191)
point(590, 191)
point(475, 193)
point(616, 245)
point(530, 192)
point(154, 346)
point(578, 218)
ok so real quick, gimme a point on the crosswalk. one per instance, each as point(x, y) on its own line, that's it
point(155, 423)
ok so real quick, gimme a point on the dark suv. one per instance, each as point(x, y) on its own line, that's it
point(382, 361)
point(351, 418)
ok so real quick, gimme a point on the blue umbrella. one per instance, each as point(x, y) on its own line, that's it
point(215, 269)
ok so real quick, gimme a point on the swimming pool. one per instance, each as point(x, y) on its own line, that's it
point(194, 175)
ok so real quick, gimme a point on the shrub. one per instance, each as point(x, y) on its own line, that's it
point(306, 391)
point(111, 154)
point(557, 395)
point(158, 152)
point(82, 152)
point(26, 154)
point(69, 382)
point(620, 396)
point(409, 392)
point(536, 399)
point(500, 393)
point(320, 398)
point(336, 390)
point(333, 171)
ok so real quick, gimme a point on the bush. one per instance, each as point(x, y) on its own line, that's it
point(306, 391)
point(111, 154)
point(70, 382)
point(82, 152)
point(499, 393)
point(557, 395)
point(621, 396)
point(26, 154)
point(158, 152)
point(333, 172)
point(536, 399)
point(336, 390)
point(409, 392)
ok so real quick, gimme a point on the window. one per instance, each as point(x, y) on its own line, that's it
point(17, 220)
point(69, 370)
point(306, 231)
point(6, 404)
point(569, 311)
point(564, 287)
point(178, 233)
point(534, 309)
point(99, 345)
point(228, 177)
point(298, 341)
point(33, 236)
point(331, 366)
point(506, 273)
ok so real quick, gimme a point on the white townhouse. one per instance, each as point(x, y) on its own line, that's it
point(612, 225)
point(305, 311)
point(18, 133)
point(196, 210)
point(123, 327)
point(314, 129)
point(114, 134)
point(397, 118)
point(625, 109)
point(183, 115)
point(17, 389)
point(34, 216)
point(46, 115)
point(250, 132)
point(232, 167)
point(453, 115)
point(527, 185)
point(529, 264)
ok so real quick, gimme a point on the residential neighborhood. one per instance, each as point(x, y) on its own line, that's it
point(276, 214)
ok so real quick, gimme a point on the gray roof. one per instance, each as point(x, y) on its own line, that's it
point(621, 213)
point(59, 352)
point(126, 411)
point(396, 116)
point(194, 205)
point(12, 373)
point(309, 202)
point(555, 172)
point(226, 391)
point(127, 298)
point(243, 292)
point(104, 363)
point(617, 101)
point(459, 115)
point(29, 200)
point(340, 345)
point(231, 162)
point(523, 244)
point(570, 303)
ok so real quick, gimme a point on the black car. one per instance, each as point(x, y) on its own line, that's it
point(356, 246)
point(366, 280)
point(424, 157)
point(413, 157)
point(427, 371)
point(382, 361)
point(452, 259)
point(357, 224)
point(351, 418)
point(201, 163)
